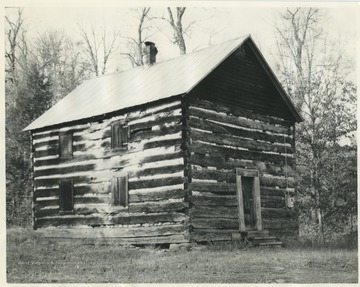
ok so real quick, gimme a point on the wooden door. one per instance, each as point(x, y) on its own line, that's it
point(248, 197)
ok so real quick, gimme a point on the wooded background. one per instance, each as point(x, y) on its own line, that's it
point(313, 64)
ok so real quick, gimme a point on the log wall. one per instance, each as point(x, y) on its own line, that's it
point(222, 139)
point(153, 160)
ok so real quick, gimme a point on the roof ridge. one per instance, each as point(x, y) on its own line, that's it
point(243, 38)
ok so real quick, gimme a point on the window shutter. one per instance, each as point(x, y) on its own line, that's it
point(119, 135)
point(66, 195)
point(119, 191)
point(66, 145)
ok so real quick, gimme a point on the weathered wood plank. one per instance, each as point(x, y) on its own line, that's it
point(237, 112)
point(223, 200)
point(148, 134)
point(147, 196)
point(219, 151)
point(137, 158)
point(217, 187)
point(272, 202)
point(201, 235)
point(219, 128)
point(231, 163)
point(158, 121)
point(280, 224)
point(64, 170)
point(149, 183)
point(214, 212)
point(119, 232)
point(158, 207)
point(269, 213)
point(94, 188)
point(51, 143)
point(229, 119)
point(229, 140)
point(157, 170)
point(224, 177)
point(216, 223)
point(38, 182)
point(47, 152)
point(77, 200)
point(272, 191)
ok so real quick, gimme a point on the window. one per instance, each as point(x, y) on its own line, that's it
point(66, 196)
point(119, 191)
point(119, 135)
point(66, 145)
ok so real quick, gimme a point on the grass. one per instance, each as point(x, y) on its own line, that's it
point(31, 259)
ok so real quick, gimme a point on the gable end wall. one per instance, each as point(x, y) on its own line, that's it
point(223, 139)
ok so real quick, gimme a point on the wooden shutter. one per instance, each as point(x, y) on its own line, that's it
point(119, 135)
point(119, 191)
point(66, 145)
point(66, 195)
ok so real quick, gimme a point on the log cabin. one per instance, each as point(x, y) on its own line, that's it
point(197, 148)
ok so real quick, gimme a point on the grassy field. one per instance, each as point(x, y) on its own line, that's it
point(31, 259)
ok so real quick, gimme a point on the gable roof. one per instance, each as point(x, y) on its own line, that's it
point(142, 85)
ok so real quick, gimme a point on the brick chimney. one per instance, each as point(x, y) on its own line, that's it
point(149, 53)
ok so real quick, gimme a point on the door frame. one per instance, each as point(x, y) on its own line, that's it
point(253, 173)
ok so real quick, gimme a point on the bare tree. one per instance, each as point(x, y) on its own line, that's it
point(135, 53)
point(314, 72)
point(177, 26)
point(99, 46)
point(14, 41)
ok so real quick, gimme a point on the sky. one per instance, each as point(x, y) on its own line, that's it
point(221, 22)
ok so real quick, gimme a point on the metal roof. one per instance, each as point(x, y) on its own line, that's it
point(138, 86)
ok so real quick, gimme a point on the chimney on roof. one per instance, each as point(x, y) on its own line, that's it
point(149, 53)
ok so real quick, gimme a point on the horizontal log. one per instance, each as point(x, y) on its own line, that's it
point(39, 182)
point(64, 170)
point(147, 196)
point(237, 112)
point(48, 192)
point(280, 182)
point(52, 143)
point(214, 212)
point(217, 223)
point(148, 134)
point(230, 177)
point(223, 200)
point(279, 192)
point(201, 148)
point(149, 183)
point(156, 170)
point(77, 200)
point(116, 232)
point(230, 163)
point(285, 224)
point(229, 140)
point(121, 219)
point(217, 187)
point(158, 207)
point(46, 152)
point(229, 119)
point(272, 201)
point(166, 119)
point(202, 235)
point(94, 188)
point(135, 172)
point(136, 158)
point(269, 213)
point(219, 128)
